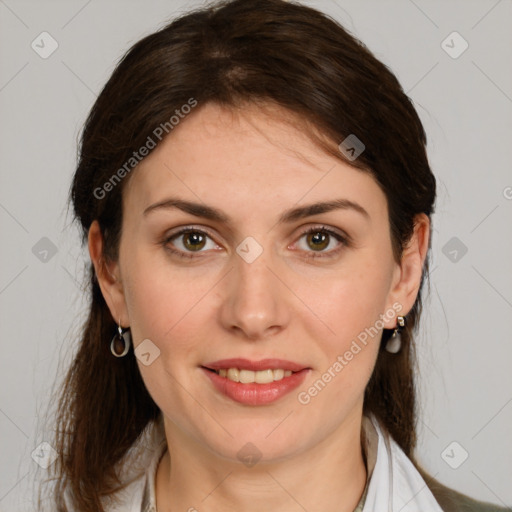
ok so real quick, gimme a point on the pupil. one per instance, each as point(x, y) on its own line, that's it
point(319, 237)
point(194, 240)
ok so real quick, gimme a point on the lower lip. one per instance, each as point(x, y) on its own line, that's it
point(256, 394)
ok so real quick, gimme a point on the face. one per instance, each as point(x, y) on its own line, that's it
point(252, 283)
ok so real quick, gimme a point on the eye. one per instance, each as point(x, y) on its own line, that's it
point(189, 241)
point(320, 238)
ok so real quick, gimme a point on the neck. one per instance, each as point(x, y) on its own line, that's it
point(330, 476)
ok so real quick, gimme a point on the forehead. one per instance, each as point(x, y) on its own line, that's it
point(246, 161)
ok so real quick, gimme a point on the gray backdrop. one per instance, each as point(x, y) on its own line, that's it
point(464, 98)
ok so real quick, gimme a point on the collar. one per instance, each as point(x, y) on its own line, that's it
point(396, 485)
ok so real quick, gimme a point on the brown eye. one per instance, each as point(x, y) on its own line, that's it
point(187, 242)
point(318, 240)
point(193, 240)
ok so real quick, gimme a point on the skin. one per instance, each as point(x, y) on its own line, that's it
point(253, 167)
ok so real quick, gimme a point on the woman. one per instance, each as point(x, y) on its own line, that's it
point(255, 194)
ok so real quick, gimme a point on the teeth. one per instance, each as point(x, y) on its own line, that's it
point(278, 374)
point(233, 374)
point(249, 376)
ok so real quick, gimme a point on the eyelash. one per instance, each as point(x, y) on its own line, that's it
point(344, 241)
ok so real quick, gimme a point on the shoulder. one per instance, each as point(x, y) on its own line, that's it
point(452, 500)
point(413, 487)
point(136, 473)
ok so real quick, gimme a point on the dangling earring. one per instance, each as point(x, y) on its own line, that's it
point(394, 343)
point(121, 342)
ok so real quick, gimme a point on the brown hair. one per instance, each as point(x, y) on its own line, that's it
point(232, 53)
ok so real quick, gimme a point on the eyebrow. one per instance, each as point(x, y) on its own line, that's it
point(291, 215)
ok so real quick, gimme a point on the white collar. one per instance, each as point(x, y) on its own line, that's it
point(395, 484)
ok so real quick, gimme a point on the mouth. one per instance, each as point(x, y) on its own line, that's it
point(248, 372)
point(245, 376)
point(255, 382)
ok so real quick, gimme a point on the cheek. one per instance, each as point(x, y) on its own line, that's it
point(350, 308)
point(161, 296)
point(347, 303)
point(164, 304)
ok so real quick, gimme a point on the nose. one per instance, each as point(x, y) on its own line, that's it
point(256, 303)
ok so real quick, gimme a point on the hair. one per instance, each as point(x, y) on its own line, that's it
point(235, 54)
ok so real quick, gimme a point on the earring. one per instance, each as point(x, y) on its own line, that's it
point(394, 343)
point(121, 342)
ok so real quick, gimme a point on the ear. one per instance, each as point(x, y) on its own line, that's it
point(407, 275)
point(109, 277)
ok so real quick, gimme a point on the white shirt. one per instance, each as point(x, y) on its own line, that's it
point(393, 483)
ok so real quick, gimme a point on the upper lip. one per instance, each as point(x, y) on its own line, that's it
point(263, 364)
